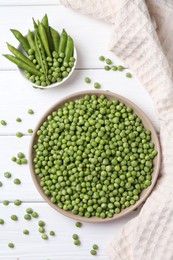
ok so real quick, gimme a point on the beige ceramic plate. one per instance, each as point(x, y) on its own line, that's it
point(146, 122)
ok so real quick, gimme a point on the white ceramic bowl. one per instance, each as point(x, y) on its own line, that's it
point(53, 85)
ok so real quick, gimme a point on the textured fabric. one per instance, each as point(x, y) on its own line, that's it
point(142, 37)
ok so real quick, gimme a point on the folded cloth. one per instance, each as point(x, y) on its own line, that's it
point(142, 37)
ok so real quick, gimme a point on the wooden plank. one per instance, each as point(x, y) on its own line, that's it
point(61, 246)
point(90, 36)
point(29, 2)
point(17, 96)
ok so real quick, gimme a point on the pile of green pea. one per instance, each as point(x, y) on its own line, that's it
point(93, 156)
point(49, 56)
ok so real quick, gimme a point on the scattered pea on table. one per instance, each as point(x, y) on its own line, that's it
point(5, 202)
point(30, 111)
point(29, 211)
point(87, 80)
point(102, 58)
point(18, 120)
point(3, 122)
point(30, 131)
point(107, 67)
point(11, 245)
point(26, 232)
point(77, 242)
point(41, 230)
point(17, 202)
point(17, 181)
point(120, 68)
point(13, 158)
point(19, 134)
point(44, 236)
point(1, 221)
point(108, 61)
point(75, 236)
point(128, 75)
point(93, 252)
point(27, 217)
point(41, 223)
point(7, 175)
point(35, 214)
point(78, 224)
point(14, 217)
point(20, 155)
point(97, 85)
point(52, 233)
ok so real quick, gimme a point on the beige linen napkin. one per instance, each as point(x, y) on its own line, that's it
point(142, 37)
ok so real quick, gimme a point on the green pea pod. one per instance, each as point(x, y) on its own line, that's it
point(41, 53)
point(31, 42)
point(20, 55)
point(35, 25)
point(30, 39)
point(22, 65)
point(45, 23)
point(69, 49)
point(63, 41)
point(44, 39)
point(55, 39)
point(23, 41)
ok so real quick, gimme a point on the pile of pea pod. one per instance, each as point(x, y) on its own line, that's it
point(48, 56)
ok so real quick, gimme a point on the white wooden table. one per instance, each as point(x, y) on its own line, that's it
point(17, 96)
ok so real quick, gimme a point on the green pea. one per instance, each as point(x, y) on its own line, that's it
point(7, 175)
point(120, 68)
point(78, 224)
point(95, 247)
point(87, 80)
point(35, 214)
point(20, 155)
point(101, 58)
point(17, 181)
point(19, 134)
point(13, 159)
point(18, 119)
point(41, 230)
point(14, 217)
point(77, 242)
point(44, 236)
point(27, 217)
point(107, 67)
point(26, 232)
point(30, 111)
point(97, 85)
point(41, 223)
point(5, 202)
point(30, 131)
point(128, 75)
point(75, 236)
point(93, 252)
point(108, 61)
point(11, 245)
point(24, 161)
point(1, 221)
point(29, 211)
point(17, 202)
point(1, 184)
point(52, 233)
point(114, 68)
point(3, 122)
